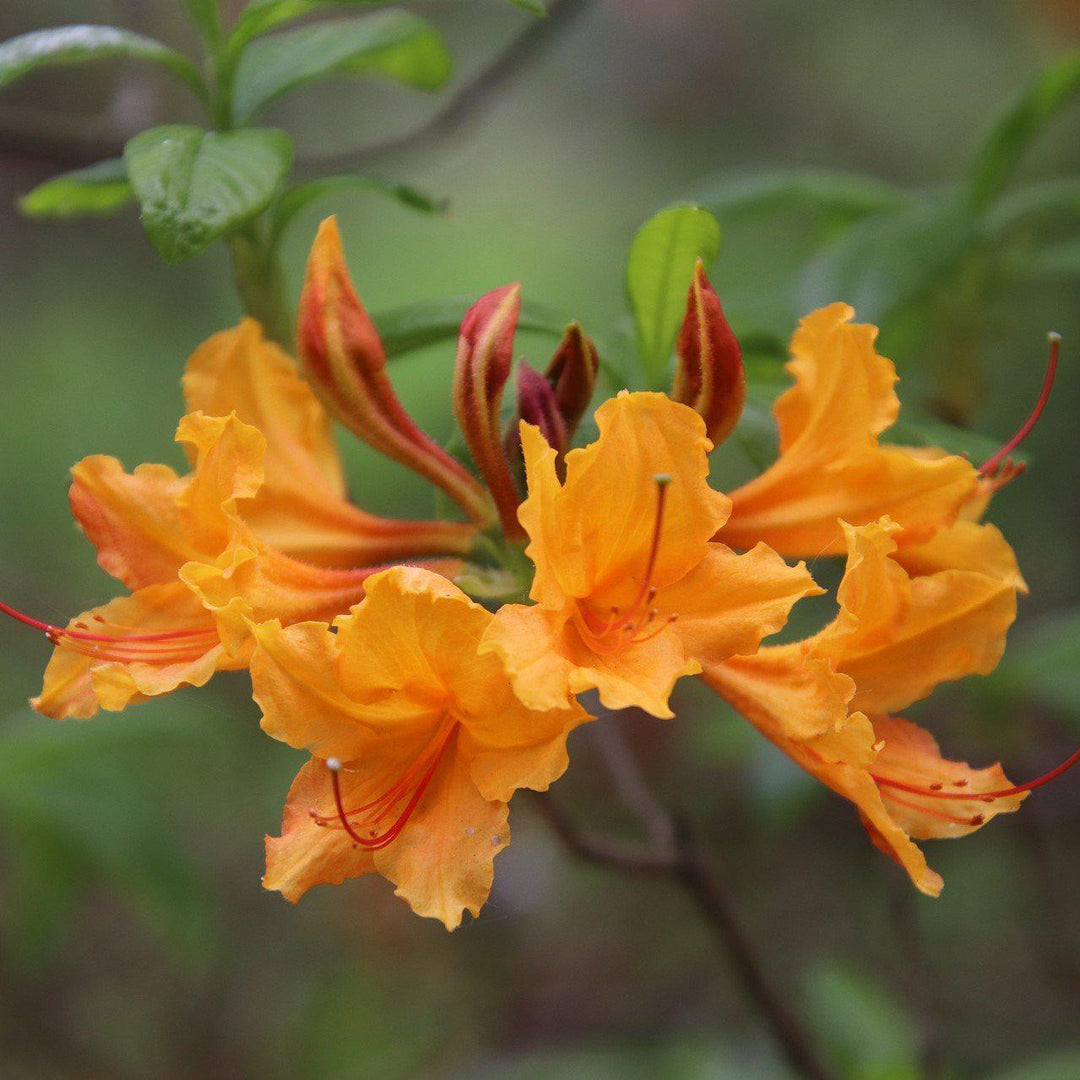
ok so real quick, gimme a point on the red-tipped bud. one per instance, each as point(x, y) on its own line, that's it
point(709, 376)
point(484, 358)
point(538, 403)
point(344, 359)
point(572, 374)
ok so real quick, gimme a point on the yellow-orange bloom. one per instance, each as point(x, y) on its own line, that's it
point(260, 528)
point(826, 701)
point(832, 465)
point(424, 739)
point(629, 592)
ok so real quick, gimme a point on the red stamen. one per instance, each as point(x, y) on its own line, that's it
point(990, 467)
point(985, 796)
point(953, 819)
point(427, 763)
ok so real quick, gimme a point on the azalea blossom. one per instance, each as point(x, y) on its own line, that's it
point(828, 701)
point(418, 743)
point(630, 593)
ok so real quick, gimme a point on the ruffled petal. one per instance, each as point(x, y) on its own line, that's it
point(83, 676)
point(728, 603)
point(301, 507)
point(592, 535)
point(831, 465)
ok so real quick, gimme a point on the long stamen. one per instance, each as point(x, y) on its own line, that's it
point(409, 785)
point(172, 646)
point(989, 467)
point(934, 792)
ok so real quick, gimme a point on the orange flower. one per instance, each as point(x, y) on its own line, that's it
point(259, 528)
point(832, 466)
point(826, 701)
point(418, 745)
point(630, 594)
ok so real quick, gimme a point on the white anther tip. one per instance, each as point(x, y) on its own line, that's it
point(333, 764)
point(662, 478)
point(1054, 337)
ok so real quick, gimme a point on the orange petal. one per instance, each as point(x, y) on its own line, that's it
point(592, 535)
point(548, 663)
point(898, 637)
point(965, 545)
point(911, 758)
point(77, 683)
point(443, 861)
point(301, 507)
point(728, 603)
point(831, 465)
point(306, 854)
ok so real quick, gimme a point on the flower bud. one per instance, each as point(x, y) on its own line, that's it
point(484, 358)
point(709, 376)
point(538, 403)
point(572, 374)
point(345, 362)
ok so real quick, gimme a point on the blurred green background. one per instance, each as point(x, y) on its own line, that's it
point(135, 939)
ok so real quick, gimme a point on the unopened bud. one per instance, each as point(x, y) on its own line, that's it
point(709, 377)
point(572, 375)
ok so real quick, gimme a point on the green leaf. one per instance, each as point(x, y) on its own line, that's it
point(405, 329)
point(1021, 122)
point(204, 14)
point(195, 186)
point(850, 195)
point(297, 198)
point(262, 15)
point(917, 428)
point(1039, 204)
point(658, 275)
point(389, 44)
point(1044, 663)
point(891, 260)
point(98, 189)
point(1054, 261)
point(533, 6)
point(868, 1032)
point(82, 44)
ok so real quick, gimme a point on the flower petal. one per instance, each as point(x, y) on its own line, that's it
point(728, 603)
point(966, 545)
point(77, 682)
point(443, 861)
point(592, 535)
point(301, 507)
point(831, 465)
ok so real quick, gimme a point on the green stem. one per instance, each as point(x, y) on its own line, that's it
point(260, 282)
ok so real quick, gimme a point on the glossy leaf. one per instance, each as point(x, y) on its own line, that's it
point(888, 261)
point(389, 44)
point(64, 45)
point(297, 198)
point(262, 15)
point(1035, 205)
point(414, 326)
point(661, 265)
point(1021, 122)
point(98, 189)
point(916, 428)
point(806, 191)
point(194, 186)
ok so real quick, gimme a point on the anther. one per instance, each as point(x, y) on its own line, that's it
point(878, 746)
point(662, 479)
point(333, 764)
point(977, 819)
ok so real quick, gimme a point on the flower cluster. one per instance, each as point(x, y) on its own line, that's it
point(614, 567)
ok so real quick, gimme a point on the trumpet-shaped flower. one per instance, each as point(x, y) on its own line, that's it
point(826, 701)
point(418, 745)
point(260, 528)
point(630, 594)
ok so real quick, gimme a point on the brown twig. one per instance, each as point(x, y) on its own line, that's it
point(685, 864)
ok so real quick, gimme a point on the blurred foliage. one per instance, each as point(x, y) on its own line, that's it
point(134, 937)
